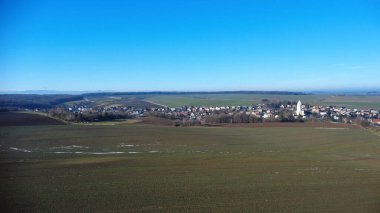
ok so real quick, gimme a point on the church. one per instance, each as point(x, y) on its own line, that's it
point(299, 111)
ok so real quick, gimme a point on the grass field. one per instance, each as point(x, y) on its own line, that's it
point(142, 168)
point(248, 99)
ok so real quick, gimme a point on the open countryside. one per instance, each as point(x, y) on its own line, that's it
point(189, 106)
point(128, 153)
point(361, 101)
point(139, 168)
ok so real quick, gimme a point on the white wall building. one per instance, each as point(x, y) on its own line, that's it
point(299, 110)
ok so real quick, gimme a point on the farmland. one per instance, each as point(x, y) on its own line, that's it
point(148, 168)
point(225, 99)
point(360, 102)
point(22, 119)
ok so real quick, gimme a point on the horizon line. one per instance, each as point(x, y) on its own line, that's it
point(81, 92)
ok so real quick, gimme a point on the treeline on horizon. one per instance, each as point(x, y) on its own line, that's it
point(195, 93)
point(35, 101)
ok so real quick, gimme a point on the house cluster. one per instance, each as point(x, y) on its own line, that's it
point(344, 114)
point(268, 111)
point(138, 112)
point(263, 111)
point(200, 113)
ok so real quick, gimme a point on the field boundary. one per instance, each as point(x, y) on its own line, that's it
point(152, 102)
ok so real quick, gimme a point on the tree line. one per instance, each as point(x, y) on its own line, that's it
point(87, 116)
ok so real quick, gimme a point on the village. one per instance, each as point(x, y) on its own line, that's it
point(284, 111)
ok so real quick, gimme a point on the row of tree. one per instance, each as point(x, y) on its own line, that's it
point(249, 118)
point(88, 116)
point(236, 117)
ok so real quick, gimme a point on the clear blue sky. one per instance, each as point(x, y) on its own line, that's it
point(189, 45)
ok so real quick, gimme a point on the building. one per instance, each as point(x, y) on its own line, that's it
point(376, 121)
point(299, 111)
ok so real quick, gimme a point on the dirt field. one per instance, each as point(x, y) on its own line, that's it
point(298, 125)
point(156, 121)
point(167, 122)
point(147, 168)
point(26, 119)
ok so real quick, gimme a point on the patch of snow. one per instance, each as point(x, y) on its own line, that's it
point(103, 153)
point(126, 145)
point(89, 153)
point(61, 152)
point(70, 147)
point(358, 169)
point(309, 169)
point(328, 128)
point(18, 149)
point(134, 152)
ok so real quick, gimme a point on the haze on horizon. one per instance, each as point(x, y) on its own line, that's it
point(189, 45)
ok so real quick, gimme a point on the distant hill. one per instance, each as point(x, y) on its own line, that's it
point(193, 93)
point(48, 92)
point(349, 92)
point(35, 101)
point(373, 93)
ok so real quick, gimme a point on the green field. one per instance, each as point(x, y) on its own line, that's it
point(248, 99)
point(167, 169)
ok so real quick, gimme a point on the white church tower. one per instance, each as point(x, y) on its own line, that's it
point(299, 109)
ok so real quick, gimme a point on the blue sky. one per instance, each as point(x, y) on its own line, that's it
point(189, 45)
